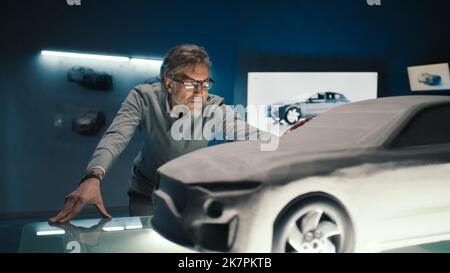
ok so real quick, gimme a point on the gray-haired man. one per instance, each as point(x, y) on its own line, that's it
point(150, 108)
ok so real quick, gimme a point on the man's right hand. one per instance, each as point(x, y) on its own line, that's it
point(87, 193)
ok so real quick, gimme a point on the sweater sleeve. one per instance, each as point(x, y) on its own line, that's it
point(119, 133)
point(237, 129)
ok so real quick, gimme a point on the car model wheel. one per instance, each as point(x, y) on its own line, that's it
point(314, 227)
point(293, 115)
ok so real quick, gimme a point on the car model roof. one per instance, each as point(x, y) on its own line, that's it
point(369, 122)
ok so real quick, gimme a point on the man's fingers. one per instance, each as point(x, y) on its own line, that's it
point(69, 203)
point(101, 208)
point(59, 216)
point(56, 218)
point(74, 211)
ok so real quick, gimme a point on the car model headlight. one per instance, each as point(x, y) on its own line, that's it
point(213, 208)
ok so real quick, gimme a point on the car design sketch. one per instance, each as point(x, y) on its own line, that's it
point(363, 177)
point(307, 106)
point(430, 79)
point(89, 123)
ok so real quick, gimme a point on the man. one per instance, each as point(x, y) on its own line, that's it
point(154, 109)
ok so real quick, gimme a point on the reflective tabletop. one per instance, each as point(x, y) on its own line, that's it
point(128, 234)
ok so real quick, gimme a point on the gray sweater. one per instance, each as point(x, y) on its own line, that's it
point(146, 109)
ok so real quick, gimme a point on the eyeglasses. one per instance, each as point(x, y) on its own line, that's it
point(191, 85)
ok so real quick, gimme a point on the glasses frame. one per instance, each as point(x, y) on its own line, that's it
point(198, 85)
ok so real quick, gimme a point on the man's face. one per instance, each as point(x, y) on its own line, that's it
point(180, 95)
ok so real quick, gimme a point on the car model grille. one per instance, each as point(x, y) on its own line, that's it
point(182, 217)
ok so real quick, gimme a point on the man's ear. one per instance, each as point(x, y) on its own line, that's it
point(168, 84)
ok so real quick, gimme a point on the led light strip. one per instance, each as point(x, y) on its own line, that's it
point(118, 228)
point(84, 56)
point(133, 227)
point(98, 57)
point(145, 61)
point(50, 232)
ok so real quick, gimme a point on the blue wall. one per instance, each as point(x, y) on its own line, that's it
point(345, 35)
point(40, 165)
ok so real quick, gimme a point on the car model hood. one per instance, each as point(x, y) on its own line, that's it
point(335, 138)
point(299, 154)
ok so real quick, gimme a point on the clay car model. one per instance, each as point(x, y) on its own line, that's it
point(88, 78)
point(307, 106)
point(362, 177)
point(89, 123)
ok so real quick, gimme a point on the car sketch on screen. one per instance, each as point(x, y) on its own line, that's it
point(364, 176)
point(291, 111)
point(88, 78)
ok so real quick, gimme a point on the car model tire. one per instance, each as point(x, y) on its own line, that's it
point(292, 115)
point(315, 226)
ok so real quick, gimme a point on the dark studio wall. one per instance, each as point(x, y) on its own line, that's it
point(40, 164)
point(3, 165)
point(345, 35)
point(44, 163)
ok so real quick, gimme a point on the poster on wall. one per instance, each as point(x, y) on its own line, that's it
point(285, 98)
point(429, 77)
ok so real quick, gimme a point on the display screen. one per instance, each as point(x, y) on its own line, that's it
point(285, 98)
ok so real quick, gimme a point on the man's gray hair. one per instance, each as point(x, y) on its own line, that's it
point(180, 57)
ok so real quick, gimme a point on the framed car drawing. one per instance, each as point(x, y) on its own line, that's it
point(429, 77)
